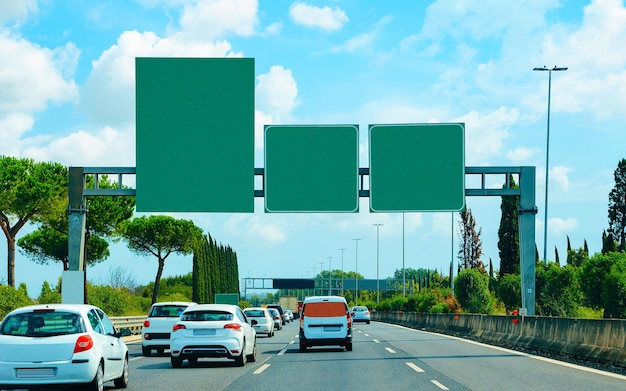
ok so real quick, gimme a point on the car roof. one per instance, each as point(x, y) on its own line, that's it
point(254, 308)
point(317, 299)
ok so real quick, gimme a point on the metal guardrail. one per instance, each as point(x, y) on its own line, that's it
point(134, 323)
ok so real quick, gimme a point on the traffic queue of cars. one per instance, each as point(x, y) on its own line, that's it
point(77, 344)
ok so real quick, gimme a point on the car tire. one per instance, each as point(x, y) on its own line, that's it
point(122, 381)
point(177, 362)
point(349, 347)
point(302, 348)
point(368, 322)
point(240, 360)
point(252, 357)
point(146, 351)
point(97, 384)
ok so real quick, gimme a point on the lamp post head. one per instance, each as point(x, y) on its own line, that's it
point(545, 68)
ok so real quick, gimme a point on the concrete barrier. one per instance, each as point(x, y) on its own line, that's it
point(596, 340)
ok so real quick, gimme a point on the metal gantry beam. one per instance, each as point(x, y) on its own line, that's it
point(527, 209)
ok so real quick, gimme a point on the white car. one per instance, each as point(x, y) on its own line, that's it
point(61, 344)
point(155, 333)
point(325, 320)
point(213, 330)
point(265, 321)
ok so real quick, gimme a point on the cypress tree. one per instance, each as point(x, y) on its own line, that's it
point(508, 234)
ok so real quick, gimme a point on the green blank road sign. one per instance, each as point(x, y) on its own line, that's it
point(195, 134)
point(311, 168)
point(417, 167)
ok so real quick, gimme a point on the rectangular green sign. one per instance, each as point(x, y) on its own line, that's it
point(311, 168)
point(195, 134)
point(417, 167)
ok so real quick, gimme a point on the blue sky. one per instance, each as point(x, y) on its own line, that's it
point(67, 95)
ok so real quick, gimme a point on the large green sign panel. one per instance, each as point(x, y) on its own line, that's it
point(311, 168)
point(417, 167)
point(195, 134)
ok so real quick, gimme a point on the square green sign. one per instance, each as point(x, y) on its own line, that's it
point(417, 167)
point(195, 134)
point(311, 168)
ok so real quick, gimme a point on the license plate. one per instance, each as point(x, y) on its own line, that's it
point(35, 373)
point(204, 332)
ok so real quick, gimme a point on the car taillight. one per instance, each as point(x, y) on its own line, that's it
point(83, 343)
point(146, 323)
point(367, 312)
point(178, 326)
point(234, 326)
point(349, 321)
point(301, 320)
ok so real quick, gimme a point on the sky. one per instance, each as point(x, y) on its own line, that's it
point(67, 93)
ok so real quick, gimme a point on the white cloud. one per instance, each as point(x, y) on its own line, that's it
point(16, 11)
point(12, 127)
point(329, 19)
point(30, 77)
point(558, 227)
point(521, 155)
point(485, 134)
point(276, 92)
point(214, 19)
point(559, 175)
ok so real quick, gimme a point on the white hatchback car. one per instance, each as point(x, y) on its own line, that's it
point(213, 330)
point(155, 333)
point(61, 344)
point(265, 321)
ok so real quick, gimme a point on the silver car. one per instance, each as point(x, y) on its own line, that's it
point(278, 320)
point(360, 313)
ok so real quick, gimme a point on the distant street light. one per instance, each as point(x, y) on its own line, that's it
point(377, 263)
point(342, 250)
point(545, 219)
point(356, 272)
point(330, 277)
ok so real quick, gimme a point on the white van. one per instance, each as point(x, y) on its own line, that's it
point(156, 330)
point(325, 320)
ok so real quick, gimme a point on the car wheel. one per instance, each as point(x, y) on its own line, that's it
point(252, 357)
point(302, 348)
point(146, 351)
point(122, 381)
point(177, 362)
point(368, 322)
point(97, 384)
point(240, 360)
point(349, 347)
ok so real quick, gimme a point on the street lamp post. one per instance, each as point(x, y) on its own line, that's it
point(330, 277)
point(403, 269)
point(377, 262)
point(545, 219)
point(356, 272)
point(342, 250)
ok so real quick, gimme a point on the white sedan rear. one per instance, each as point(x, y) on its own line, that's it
point(61, 344)
point(214, 331)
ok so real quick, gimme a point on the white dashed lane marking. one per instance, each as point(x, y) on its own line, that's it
point(261, 369)
point(415, 367)
point(441, 386)
point(390, 350)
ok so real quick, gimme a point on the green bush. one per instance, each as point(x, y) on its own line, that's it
point(11, 298)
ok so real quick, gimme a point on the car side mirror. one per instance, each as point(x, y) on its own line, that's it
point(254, 321)
point(124, 332)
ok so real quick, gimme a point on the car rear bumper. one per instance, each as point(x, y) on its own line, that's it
point(342, 341)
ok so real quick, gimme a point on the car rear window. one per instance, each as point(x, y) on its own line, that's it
point(255, 313)
point(42, 324)
point(324, 309)
point(167, 311)
point(210, 315)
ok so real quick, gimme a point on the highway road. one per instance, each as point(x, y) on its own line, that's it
point(385, 357)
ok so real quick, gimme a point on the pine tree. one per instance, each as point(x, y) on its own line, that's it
point(508, 234)
point(556, 256)
point(617, 207)
point(470, 244)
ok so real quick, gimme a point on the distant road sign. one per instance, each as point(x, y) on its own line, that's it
point(311, 168)
point(417, 167)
